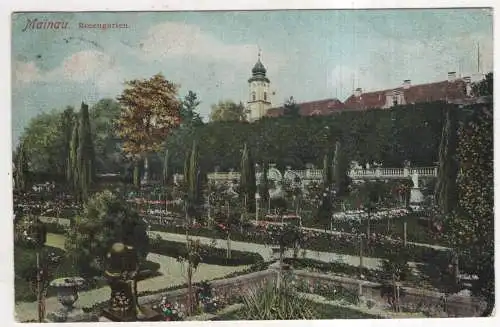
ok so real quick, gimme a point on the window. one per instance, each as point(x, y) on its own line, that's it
point(394, 100)
point(265, 96)
point(253, 96)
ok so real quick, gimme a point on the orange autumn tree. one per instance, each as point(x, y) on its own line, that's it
point(150, 112)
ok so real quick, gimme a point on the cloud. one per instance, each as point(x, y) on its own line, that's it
point(25, 72)
point(83, 66)
point(168, 40)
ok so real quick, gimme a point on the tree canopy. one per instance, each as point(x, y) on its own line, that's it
point(106, 219)
point(150, 111)
point(228, 111)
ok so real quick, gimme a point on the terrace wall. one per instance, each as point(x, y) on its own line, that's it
point(231, 289)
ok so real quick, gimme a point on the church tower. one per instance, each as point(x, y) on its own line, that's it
point(259, 98)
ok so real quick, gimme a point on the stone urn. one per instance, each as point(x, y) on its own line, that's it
point(67, 295)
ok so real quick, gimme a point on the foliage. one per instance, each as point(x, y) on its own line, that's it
point(471, 229)
point(484, 87)
point(228, 111)
point(291, 108)
point(25, 270)
point(272, 303)
point(395, 267)
point(193, 182)
point(264, 185)
point(85, 158)
point(340, 170)
point(106, 219)
point(21, 170)
point(446, 187)
point(43, 140)
point(107, 145)
point(150, 112)
point(387, 136)
point(248, 186)
point(189, 116)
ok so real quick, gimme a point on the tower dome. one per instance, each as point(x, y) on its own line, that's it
point(258, 68)
point(259, 72)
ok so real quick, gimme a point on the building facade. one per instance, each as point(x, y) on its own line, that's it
point(259, 101)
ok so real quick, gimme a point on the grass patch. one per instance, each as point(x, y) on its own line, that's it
point(209, 255)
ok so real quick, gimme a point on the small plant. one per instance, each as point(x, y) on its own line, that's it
point(272, 303)
point(171, 312)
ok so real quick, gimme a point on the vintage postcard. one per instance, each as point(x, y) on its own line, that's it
point(252, 165)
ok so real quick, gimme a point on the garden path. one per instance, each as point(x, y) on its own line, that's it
point(172, 273)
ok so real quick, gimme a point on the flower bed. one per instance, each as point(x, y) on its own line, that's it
point(376, 245)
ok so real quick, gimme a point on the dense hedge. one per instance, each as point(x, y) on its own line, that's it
point(209, 255)
point(390, 136)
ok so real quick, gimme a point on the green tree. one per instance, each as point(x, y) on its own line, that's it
point(291, 108)
point(192, 180)
point(340, 170)
point(446, 186)
point(72, 174)
point(106, 219)
point(484, 87)
point(21, 171)
point(326, 208)
point(107, 144)
point(471, 230)
point(85, 154)
point(248, 186)
point(264, 187)
point(42, 140)
point(228, 111)
point(189, 116)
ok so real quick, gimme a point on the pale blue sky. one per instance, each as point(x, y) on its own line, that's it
point(310, 54)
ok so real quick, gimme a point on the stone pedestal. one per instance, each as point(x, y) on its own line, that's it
point(67, 294)
point(416, 196)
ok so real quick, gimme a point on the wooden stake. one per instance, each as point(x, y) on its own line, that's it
point(39, 288)
point(360, 254)
point(404, 233)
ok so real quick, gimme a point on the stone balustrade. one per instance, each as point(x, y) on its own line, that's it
point(317, 174)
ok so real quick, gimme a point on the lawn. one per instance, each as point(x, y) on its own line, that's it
point(324, 311)
point(55, 240)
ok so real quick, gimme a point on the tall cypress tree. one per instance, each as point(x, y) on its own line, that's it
point(86, 156)
point(247, 180)
point(446, 187)
point(72, 167)
point(340, 170)
point(264, 186)
point(22, 169)
point(325, 209)
point(192, 178)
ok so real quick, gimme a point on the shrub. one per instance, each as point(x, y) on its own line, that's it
point(271, 303)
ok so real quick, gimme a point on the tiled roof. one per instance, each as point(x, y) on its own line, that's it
point(320, 107)
point(413, 94)
point(421, 93)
